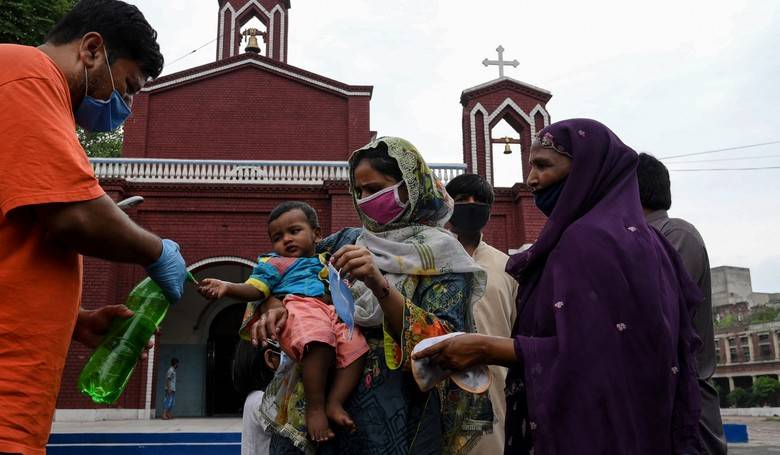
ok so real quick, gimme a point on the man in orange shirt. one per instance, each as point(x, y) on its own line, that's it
point(52, 209)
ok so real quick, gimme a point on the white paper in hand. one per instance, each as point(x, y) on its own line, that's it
point(427, 374)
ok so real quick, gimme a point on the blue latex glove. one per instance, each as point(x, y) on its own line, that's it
point(342, 299)
point(169, 271)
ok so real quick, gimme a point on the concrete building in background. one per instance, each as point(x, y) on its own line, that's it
point(747, 330)
point(732, 285)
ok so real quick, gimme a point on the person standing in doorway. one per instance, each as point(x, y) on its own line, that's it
point(656, 197)
point(170, 390)
point(495, 313)
point(52, 208)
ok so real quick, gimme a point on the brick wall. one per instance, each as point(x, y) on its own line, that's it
point(246, 114)
point(209, 221)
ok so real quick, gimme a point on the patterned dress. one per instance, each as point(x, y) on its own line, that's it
point(391, 414)
point(440, 283)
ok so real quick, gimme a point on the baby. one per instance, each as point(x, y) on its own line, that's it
point(313, 333)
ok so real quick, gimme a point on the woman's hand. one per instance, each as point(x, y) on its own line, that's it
point(212, 288)
point(356, 263)
point(464, 351)
point(271, 322)
point(457, 353)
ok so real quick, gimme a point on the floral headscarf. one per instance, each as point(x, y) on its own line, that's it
point(416, 244)
point(429, 203)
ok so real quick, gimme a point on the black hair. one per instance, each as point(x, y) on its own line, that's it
point(655, 189)
point(123, 27)
point(471, 185)
point(287, 206)
point(380, 160)
point(174, 361)
point(250, 372)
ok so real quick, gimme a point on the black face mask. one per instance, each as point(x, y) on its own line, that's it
point(470, 216)
point(546, 199)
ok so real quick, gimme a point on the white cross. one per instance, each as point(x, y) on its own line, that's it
point(501, 63)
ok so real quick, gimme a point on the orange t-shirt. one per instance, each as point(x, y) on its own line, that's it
point(41, 161)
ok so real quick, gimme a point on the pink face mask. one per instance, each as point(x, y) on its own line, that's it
point(383, 206)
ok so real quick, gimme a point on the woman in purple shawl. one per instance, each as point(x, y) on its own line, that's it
point(601, 358)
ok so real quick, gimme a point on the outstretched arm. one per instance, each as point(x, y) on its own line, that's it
point(464, 351)
point(214, 289)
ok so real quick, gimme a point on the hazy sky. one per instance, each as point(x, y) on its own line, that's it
point(668, 77)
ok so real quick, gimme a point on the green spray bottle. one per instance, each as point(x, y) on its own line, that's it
point(108, 370)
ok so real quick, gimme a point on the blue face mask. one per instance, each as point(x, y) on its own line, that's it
point(546, 199)
point(96, 115)
point(341, 295)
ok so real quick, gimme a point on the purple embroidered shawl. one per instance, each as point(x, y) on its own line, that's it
point(603, 328)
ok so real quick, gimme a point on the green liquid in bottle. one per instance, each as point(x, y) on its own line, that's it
point(108, 370)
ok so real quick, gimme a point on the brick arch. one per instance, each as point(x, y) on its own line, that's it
point(520, 126)
point(212, 309)
point(220, 260)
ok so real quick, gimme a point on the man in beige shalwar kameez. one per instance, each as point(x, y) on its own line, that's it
point(495, 313)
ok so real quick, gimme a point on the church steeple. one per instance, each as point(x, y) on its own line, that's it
point(234, 14)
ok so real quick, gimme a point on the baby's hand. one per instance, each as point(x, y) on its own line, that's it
point(212, 288)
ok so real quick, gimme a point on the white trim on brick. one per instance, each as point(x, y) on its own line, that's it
point(261, 65)
point(473, 130)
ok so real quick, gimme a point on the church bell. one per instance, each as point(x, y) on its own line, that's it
point(507, 148)
point(251, 36)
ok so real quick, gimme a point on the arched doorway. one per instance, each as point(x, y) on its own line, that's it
point(187, 331)
point(221, 398)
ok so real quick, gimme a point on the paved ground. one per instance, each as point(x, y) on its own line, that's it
point(763, 434)
point(184, 425)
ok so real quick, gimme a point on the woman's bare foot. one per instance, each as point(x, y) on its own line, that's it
point(317, 425)
point(339, 416)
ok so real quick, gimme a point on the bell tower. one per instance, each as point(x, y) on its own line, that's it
point(234, 14)
point(521, 105)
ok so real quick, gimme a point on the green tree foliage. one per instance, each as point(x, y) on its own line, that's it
point(766, 391)
point(726, 322)
point(741, 398)
point(28, 21)
point(764, 314)
point(102, 145)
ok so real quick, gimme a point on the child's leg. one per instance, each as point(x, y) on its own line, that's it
point(344, 382)
point(317, 361)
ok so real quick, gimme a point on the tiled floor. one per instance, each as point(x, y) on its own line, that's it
point(185, 425)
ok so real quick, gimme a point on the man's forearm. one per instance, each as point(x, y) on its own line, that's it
point(98, 228)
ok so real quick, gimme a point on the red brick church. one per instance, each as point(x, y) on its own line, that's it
point(212, 160)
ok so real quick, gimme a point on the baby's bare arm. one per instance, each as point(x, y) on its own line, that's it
point(244, 292)
point(213, 289)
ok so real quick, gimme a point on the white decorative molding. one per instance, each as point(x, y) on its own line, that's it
point(221, 259)
point(545, 116)
point(473, 128)
point(149, 377)
point(506, 78)
point(235, 22)
point(282, 20)
point(237, 172)
point(221, 37)
point(508, 102)
point(261, 65)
